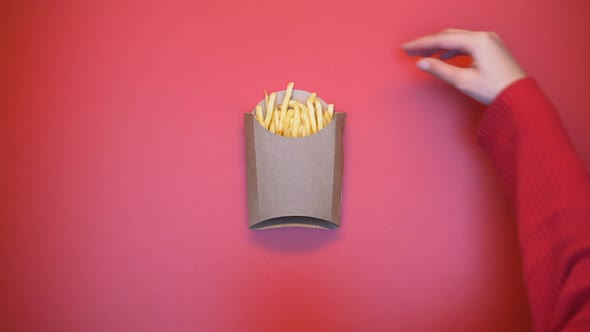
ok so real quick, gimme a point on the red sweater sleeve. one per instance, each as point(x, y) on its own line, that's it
point(550, 189)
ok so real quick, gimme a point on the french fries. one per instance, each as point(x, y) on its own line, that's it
point(291, 117)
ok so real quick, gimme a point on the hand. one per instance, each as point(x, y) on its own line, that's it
point(493, 69)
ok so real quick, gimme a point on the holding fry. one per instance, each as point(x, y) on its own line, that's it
point(293, 118)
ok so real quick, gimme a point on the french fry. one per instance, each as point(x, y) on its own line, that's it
point(275, 115)
point(326, 120)
point(306, 122)
point(292, 103)
point(311, 112)
point(259, 115)
point(302, 119)
point(266, 99)
point(292, 117)
point(271, 106)
point(296, 122)
point(291, 113)
point(331, 111)
point(303, 108)
point(272, 126)
point(319, 114)
point(286, 121)
point(312, 97)
point(286, 99)
point(284, 126)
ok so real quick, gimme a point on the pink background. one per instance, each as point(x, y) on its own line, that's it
point(122, 173)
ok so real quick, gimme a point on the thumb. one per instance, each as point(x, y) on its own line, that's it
point(440, 69)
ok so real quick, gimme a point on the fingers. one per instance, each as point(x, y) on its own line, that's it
point(444, 71)
point(450, 39)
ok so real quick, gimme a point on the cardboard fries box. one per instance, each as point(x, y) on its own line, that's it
point(294, 182)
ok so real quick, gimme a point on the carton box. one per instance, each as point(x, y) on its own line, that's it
point(294, 182)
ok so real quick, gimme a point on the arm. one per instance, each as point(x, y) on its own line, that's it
point(547, 182)
point(550, 190)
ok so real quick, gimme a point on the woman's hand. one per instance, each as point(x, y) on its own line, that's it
point(493, 69)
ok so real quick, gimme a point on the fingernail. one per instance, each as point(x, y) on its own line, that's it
point(423, 64)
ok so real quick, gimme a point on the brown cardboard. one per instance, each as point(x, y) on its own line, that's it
point(294, 182)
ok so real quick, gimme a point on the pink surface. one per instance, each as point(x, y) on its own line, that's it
point(122, 173)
